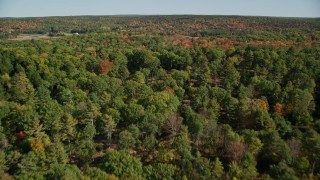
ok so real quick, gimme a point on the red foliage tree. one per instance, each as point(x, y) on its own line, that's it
point(143, 150)
point(21, 135)
point(105, 66)
point(215, 76)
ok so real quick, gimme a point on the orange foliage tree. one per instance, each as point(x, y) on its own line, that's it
point(264, 106)
point(278, 109)
point(37, 145)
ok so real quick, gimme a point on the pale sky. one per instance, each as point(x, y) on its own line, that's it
point(283, 8)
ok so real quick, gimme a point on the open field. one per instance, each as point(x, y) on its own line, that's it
point(22, 37)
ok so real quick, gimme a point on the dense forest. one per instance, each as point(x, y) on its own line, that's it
point(160, 97)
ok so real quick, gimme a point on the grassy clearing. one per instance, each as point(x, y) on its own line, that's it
point(22, 37)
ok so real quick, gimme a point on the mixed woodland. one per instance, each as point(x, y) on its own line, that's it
point(160, 97)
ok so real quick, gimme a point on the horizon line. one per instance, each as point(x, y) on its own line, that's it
point(306, 17)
